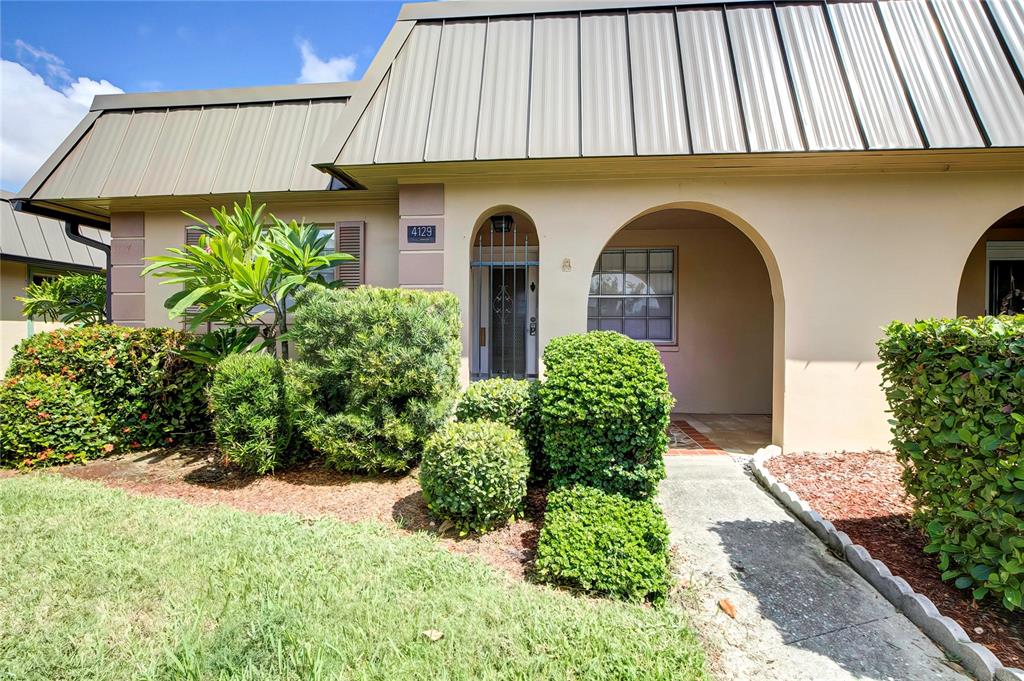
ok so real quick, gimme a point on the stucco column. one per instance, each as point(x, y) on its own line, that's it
point(128, 288)
point(421, 243)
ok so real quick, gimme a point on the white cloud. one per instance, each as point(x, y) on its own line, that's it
point(316, 70)
point(35, 117)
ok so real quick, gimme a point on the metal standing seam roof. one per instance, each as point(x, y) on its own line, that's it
point(512, 80)
point(195, 143)
point(30, 237)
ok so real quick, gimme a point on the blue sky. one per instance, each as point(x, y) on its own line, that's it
point(57, 55)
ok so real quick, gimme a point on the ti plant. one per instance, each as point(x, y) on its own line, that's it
point(245, 271)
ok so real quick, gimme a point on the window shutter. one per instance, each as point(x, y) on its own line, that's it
point(192, 239)
point(349, 239)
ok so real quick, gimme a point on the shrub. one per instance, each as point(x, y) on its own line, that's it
point(382, 366)
point(604, 543)
point(474, 474)
point(72, 299)
point(605, 407)
point(47, 419)
point(514, 403)
point(956, 392)
point(251, 411)
point(149, 394)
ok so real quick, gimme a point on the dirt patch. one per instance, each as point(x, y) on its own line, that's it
point(861, 493)
point(195, 475)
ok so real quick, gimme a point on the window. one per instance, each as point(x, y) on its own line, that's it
point(632, 291)
point(329, 272)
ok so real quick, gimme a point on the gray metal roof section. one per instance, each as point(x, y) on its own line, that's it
point(608, 79)
point(29, 237)
point(194, 143)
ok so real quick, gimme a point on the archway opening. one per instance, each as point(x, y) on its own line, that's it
point(504, 295)
point(992, 282)
point(698, 288)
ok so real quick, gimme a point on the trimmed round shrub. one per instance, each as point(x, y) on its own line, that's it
point(382, 368)
point(47, 419)
point(605, 408)
point(151, 395)
point(474, 474)
point(956, 391)
point(603, 543)
point(251, 411)
point(512, 402)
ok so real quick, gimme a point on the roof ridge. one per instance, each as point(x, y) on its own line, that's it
point(237, 95)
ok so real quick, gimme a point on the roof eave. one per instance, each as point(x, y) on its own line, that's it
point(242, 95)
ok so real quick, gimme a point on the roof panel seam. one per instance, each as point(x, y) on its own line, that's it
point(958, 72)
point(152, 152)
point(682, 79)
point(296, 169)
point(1004, 46)
point(480, 97)
point(433, 91)
point(826, 12)
point(224, 150)
point(629, 81)
point(263, 147)
point(579, 83)
point(188, 149)
point(735, 79)
point(788, 70)
point(918, 123)
point(117, 152)
point(389, 76)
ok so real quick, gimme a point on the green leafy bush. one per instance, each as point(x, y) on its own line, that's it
point(605, 407)
point(512, 402)
point(252, 411)
point(604, 543)
point(382, 367)
point(72, 299)
point(956, 391)
point(149, 393)
point(46, 419)
point(474, 474)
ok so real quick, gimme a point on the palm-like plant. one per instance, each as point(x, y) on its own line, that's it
point(245, 270)
point(72, 299)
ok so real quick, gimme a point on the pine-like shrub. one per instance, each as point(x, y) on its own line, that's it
point(47, 419)
point(382, 368)
point(149, 393)
point(252, 411)
point(474, 474)
point(512, 402)
point(603, 543)
point(605, 407)
point(956, 391)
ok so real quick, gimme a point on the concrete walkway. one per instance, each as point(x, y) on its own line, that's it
point(801, 614)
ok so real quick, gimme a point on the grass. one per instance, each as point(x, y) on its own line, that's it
point(98, 584)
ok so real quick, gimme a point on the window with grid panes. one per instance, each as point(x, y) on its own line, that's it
point(632, 291)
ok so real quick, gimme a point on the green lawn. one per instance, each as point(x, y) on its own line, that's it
point(96, 584)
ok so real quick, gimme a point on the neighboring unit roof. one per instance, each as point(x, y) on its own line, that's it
point(514, 80)
point(29, 237)
point(194, 143)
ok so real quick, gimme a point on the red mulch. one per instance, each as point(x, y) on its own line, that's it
point(195, 475)
point(861, 493)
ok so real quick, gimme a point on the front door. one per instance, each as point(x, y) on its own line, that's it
point(505, 302)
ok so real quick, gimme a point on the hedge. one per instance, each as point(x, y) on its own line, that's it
point(47, 419)
point(514, 402)
point(382, 367)
point(956, 391)
point(149, 393)
point(474, 474)
point(605, 408)
point(604, 543)
point(252, 411)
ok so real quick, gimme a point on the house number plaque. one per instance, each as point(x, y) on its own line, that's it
point(421, 234)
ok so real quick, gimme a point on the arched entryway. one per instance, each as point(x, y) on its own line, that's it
point(992, 281)
point(504, 295)
point(697, 287)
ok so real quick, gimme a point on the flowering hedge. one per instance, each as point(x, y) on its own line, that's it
point(956, 391)
point(150, 395)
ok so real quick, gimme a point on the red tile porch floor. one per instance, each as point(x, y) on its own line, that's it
point(684, 439)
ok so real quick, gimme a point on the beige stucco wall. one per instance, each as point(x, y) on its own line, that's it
point(166, 229)
point(845, 254)
point(13, 327)
point(721, 361)
point(971, 296)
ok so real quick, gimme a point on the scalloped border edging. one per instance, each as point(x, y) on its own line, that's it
point(946, 633)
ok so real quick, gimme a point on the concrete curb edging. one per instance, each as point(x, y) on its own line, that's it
point(946, 633)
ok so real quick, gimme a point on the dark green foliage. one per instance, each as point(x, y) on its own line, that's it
point(47, 419)
point(252, 411)
point(512, 402)
point(474, 474)
point(72, 299)
point(956, 391)
point(214, 346)
point(382, 367)
point(605, 407)
point(604, 544)
point(149, 393)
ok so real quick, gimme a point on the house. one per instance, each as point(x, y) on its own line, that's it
point(756, 187)
point(33, 249)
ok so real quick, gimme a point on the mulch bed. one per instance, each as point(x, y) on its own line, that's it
point(195, 475)
point(860, 492)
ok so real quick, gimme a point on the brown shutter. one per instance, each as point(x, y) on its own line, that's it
point(349, 239)
point(192, 239)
